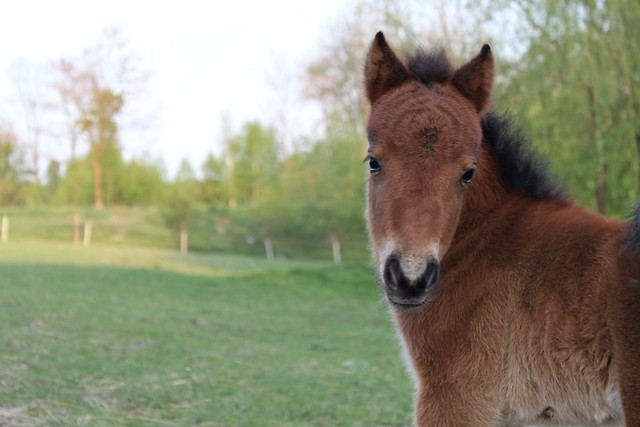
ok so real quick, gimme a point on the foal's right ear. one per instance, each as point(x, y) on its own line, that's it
point(383, 70)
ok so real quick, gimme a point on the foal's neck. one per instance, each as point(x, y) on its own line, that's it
point(489, 205)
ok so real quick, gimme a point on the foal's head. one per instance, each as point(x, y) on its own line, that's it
point(424, 132)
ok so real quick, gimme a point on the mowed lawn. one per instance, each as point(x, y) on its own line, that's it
point(107, 336)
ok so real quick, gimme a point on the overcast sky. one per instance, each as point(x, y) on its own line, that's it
point(208, 60)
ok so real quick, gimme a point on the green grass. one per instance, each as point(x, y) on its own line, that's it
point(105, 336)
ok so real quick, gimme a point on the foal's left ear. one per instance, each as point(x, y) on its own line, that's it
point(474, 79)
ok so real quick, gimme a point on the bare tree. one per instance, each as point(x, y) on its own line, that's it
point(74, 88)
point(334, 77)
point(30, 85)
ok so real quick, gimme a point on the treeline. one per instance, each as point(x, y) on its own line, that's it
point(568, 72)
point(135, 182)
point(316, 192)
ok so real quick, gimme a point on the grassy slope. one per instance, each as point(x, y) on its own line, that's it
point(163, 339)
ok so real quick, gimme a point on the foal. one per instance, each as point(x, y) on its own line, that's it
point(514, 305)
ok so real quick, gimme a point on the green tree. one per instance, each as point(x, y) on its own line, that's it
point(252, 164)
point(322, 192)
point(100, 128)
point(575, 89)
point(181, 201)
point(138, 182)
point(12, 171)
point(340, 190)
point(75, 187)
point(213, 181)
point(53, 179)
point(185, 173)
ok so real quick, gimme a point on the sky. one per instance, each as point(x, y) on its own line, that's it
point(209, 62)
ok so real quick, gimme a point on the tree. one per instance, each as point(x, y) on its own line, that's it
point(75, 187)
point(99, 126)
point(12, 171)
point(340, 191)
point(213, 185)
point(30, 85)
point(181, 202)
point(136, 182)
point(53, 179)
point(575, 89)
point(252, 164)
point(94, 90)
point(334, 78)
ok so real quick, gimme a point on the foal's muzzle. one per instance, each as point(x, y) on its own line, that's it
point(402, 291)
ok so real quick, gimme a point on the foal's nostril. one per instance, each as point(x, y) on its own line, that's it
point(393, 272)
point(431, 274)
point(402, 291)
point(396, 280)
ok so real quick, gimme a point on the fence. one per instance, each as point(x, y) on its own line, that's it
point(4, 236)
point(146, 227)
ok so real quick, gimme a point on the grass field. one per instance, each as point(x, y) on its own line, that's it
point(106, 336)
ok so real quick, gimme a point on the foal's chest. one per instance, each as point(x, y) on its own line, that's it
point(531, 381)
point(537, 392)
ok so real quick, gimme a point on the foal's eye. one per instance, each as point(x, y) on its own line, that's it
point(374, 166)
point(467, 175)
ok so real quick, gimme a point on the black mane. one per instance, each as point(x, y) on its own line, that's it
point(521, 168)
point(431, 65)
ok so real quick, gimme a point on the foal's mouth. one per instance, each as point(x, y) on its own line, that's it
point(406, 302)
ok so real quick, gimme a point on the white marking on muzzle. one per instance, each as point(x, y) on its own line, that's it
point(413, 264)
point(388, 248)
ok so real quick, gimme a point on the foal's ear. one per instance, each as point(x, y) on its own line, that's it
point(383, 70)
point(474, 79)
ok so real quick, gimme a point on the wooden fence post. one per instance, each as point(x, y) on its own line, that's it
point(268, 248)
point(184, 239)
point(87, 234)
point(335, 247)
point(5, 229)
point(76, 227)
